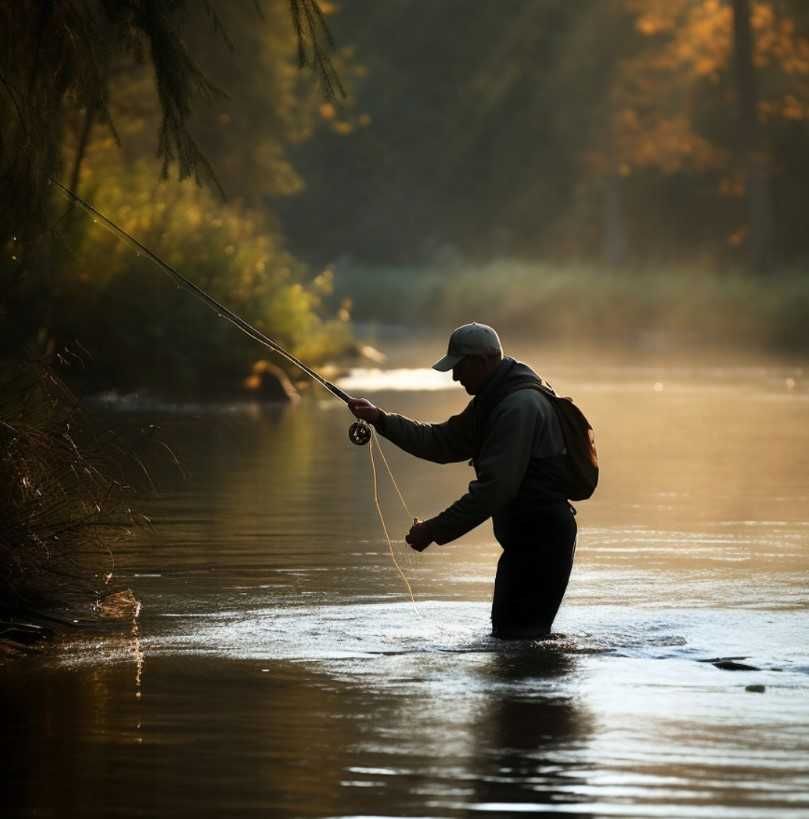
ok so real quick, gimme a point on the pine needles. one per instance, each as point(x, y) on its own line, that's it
point(59, 57)
point(314, 43)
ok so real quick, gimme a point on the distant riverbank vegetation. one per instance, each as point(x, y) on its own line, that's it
point(655, 308)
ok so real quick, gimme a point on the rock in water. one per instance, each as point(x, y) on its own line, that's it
point(730, 663)
point(268, 382)
point(733, 665)
point(122, 605)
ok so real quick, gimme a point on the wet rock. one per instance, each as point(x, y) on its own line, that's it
point(730, 663)
point(121, 605)
point(756, 689)
point(733, 665)
point(19, 638)
point(22, 634)
point(268, 382)
point(369, 353)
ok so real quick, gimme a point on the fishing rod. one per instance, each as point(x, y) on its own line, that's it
point(359, 432)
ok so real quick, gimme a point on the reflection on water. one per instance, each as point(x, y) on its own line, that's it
point(526, 735)
point(279, 668)
point(293, 742)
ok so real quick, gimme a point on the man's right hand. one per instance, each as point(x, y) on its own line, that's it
point(365, 410)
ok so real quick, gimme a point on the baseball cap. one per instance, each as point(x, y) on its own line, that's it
point(469, 339)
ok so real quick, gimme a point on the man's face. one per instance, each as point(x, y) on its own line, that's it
point(471, 371)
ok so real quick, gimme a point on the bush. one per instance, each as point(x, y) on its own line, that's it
point(140, 328)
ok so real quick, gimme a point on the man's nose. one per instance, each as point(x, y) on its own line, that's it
point(455, 374)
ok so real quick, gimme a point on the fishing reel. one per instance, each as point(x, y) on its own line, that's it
point(359, 433)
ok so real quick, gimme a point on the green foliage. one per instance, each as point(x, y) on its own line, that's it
point(141, 330)
point(134, 66)
point(58, 58)
point(60, 55)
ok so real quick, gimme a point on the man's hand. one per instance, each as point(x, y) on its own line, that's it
point(365, 410)
point(420, 535)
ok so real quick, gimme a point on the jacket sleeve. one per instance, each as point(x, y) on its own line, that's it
point(441, 443)
point(501, 467)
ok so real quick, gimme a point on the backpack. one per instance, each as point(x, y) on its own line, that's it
point(575, 472)
point(579, 439)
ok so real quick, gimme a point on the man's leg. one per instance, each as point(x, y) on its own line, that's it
point(530, 584)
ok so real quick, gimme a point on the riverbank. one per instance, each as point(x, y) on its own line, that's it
point(70, 490)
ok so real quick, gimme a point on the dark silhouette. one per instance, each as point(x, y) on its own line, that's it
point(513, 436)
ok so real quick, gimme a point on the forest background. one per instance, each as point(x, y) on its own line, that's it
point(627, 172)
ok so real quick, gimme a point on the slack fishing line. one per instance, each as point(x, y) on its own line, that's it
point(359, 432)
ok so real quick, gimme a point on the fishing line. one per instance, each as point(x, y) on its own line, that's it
point(374, 441)
point(392, 479)
point(359, 432)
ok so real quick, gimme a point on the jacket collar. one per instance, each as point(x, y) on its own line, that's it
point(491, 383)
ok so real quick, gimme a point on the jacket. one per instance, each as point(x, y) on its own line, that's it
point(508, 441)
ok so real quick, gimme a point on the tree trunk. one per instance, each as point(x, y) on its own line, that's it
point(752, 154)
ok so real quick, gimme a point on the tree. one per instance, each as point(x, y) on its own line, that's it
point(95, 87)
point(60, 57)
point(752, 148)
point(702, 59)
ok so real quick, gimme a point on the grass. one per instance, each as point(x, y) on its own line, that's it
point(681, 307)
point(64, 500)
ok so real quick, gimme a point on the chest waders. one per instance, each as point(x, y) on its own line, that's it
point(537, 529)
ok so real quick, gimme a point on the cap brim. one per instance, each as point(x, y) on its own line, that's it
point(447, 363)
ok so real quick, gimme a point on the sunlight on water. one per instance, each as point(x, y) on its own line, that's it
point(401, 380)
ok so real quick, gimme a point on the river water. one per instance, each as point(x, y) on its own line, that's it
point(279, 667)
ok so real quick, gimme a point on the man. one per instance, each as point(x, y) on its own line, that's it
point(512, 434)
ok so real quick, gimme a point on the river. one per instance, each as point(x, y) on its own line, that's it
point(279, 667)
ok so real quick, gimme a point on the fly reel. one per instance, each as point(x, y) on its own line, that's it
point(359, 433)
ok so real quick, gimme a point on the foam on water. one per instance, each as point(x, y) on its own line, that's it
point(324, 634)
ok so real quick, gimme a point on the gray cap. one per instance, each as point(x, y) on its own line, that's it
point(469, 339)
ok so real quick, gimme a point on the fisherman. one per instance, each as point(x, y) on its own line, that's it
point(511, 433)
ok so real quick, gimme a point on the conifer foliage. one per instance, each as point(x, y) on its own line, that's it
point(60, 56)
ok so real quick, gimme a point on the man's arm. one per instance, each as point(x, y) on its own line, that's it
point(441, 443)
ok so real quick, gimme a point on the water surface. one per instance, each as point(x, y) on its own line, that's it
point(279, 667)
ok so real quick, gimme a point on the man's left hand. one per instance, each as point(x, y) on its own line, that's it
point(420, 535)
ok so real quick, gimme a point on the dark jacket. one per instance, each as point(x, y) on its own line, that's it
point(509, 431)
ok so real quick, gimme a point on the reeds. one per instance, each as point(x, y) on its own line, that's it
point(65, 500)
